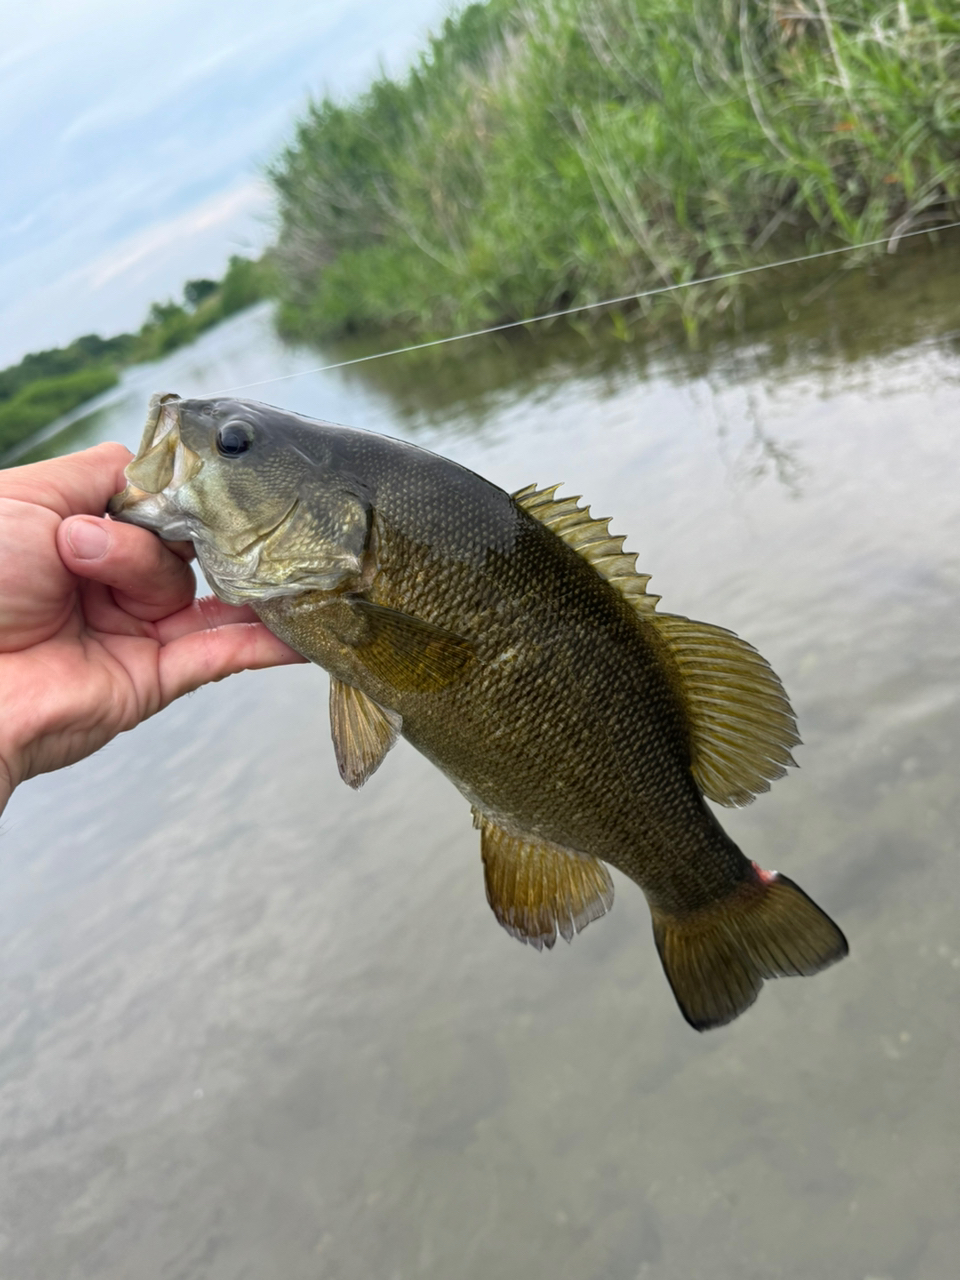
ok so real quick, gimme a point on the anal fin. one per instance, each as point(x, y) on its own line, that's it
point(538, 890)
point(363, 732)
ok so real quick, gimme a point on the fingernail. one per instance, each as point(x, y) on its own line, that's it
point(88, 539)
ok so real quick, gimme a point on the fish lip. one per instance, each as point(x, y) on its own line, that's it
point(156, 412)
point(148, 511)
point(125, 499)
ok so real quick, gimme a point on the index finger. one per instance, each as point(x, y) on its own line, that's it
point(148, 578)
point(77, 484)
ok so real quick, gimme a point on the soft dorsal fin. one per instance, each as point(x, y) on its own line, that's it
point(539, 891)
point(741, 724)
point(591, 538)
point(363, 732)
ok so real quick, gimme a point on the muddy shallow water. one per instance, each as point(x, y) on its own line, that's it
point(254, 1024)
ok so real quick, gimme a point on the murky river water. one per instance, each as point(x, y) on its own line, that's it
point(256, 1025)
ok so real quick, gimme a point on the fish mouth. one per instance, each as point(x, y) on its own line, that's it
point(163, 463)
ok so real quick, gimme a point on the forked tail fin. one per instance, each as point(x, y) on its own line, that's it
point(716, 959)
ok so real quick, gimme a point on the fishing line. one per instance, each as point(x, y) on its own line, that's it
point(591, 306)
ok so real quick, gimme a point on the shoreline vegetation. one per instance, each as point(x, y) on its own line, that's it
point(544, 154)
point(547, 154)
point(47, 384)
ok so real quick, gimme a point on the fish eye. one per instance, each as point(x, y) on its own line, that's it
point(233, 439)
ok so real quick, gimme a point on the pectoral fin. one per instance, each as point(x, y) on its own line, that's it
point(538, 890)
point(363, 732)
point(407, 652)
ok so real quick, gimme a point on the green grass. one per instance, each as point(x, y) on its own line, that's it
point(46, 399)
point(547, 153)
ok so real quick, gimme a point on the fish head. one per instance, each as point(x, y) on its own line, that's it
point(261, 493)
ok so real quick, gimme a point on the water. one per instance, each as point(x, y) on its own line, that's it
point(255, 1024)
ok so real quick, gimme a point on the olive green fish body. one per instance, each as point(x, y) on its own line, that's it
point(563, 724)
point(513, 643)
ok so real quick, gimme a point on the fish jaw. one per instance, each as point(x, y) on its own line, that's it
point(251, 574)
point(151, 511)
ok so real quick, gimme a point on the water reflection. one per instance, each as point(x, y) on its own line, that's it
point(255, 1024)
point(817, 319)
point(762, 455)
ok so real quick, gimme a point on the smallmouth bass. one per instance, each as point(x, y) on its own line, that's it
point(511, 641)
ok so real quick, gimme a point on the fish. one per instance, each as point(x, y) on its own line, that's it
point(512, 641)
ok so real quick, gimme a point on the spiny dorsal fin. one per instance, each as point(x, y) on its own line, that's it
point(363, 732)
point(591, 538)
point(742, 726)
point(538, 890)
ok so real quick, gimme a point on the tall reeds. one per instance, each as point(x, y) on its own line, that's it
point(554, 152)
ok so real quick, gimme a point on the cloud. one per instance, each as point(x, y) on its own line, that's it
point(251, 198)
point(128, 134)
point(111, 293)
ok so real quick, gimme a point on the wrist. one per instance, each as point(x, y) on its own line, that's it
point(6, 784)
point(14, 745)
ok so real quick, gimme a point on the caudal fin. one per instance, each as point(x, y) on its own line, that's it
point(716, 959)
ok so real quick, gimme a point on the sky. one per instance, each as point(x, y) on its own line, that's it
point(133, 139)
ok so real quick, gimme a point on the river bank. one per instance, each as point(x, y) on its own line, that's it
point(551, 154)
point(555, 153)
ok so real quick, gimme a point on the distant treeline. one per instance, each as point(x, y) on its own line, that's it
point(46, 384)
point(545, 153)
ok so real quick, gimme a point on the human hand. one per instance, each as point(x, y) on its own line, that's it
point(99, 627)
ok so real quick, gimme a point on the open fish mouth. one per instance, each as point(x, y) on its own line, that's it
point(162, 466)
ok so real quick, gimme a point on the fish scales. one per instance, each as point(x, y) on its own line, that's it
point(582, 726)
point(581, 703)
